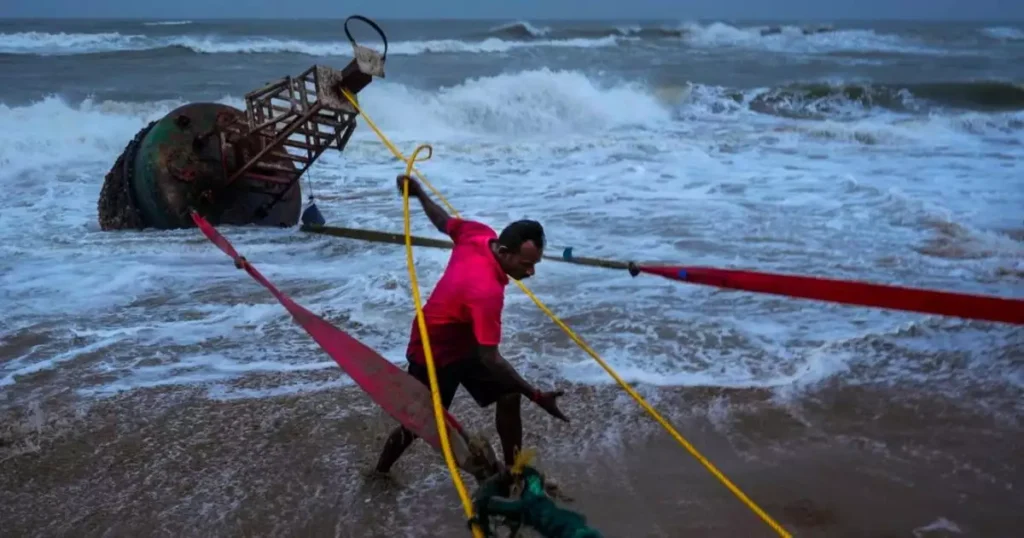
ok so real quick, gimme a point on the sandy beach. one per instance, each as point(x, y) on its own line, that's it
point(845, 463)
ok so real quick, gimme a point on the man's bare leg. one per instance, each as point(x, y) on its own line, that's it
point(509, 423)
point(394, 447)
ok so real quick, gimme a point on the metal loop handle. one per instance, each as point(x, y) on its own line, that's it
point(373, 25)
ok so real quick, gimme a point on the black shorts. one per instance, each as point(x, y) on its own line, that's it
point(480, 382)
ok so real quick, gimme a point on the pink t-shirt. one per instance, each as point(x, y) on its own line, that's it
point(464, 310)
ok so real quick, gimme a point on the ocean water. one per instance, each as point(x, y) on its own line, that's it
point(889, 152)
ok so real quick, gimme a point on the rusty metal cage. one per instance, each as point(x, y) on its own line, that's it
point(289, 120)
point(290, 123)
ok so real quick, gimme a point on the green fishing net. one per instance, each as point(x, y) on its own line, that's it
point(533, 508)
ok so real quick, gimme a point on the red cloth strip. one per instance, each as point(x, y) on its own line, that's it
point(401, 395)
point(942, 303)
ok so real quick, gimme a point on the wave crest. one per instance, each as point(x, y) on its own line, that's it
point(540, 103)
point(42, 43)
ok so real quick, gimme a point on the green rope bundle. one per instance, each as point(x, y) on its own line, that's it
point(534, 508)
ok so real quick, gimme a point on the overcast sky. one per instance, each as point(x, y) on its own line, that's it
point(522, 9)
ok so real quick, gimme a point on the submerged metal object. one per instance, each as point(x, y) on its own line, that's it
point(234, 166)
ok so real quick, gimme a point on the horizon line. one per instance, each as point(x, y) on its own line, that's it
point(517, 19)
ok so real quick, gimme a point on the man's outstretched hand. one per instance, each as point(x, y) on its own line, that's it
point(548, 402)
point(414, 186)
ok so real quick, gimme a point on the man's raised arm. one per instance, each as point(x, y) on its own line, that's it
point(437, 215)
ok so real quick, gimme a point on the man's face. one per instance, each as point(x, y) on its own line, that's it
point(520, 265)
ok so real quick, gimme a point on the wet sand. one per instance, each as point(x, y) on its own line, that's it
point(843, 462)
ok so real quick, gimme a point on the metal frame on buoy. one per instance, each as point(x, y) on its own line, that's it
point(316, 110)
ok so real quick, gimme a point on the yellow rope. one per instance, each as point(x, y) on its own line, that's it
point(435, 393)
point(583, 345)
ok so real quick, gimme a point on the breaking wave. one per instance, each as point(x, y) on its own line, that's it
point(545, 102)
point(820, 99)
point(167, 23)
point(43, 43)
point(518, 30)
point(808, 39)
point(803, 39)
point(1004, 33)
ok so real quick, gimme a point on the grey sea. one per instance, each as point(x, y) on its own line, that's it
point(147, 388)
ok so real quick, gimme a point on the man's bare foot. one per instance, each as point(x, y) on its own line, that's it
point(377, 475)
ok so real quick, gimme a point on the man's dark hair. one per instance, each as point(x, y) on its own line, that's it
point(519, 232)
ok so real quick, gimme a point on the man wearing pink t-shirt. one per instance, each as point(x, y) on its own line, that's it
point(463, 318)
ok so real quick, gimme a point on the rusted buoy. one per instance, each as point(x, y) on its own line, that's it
point(179, 162)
